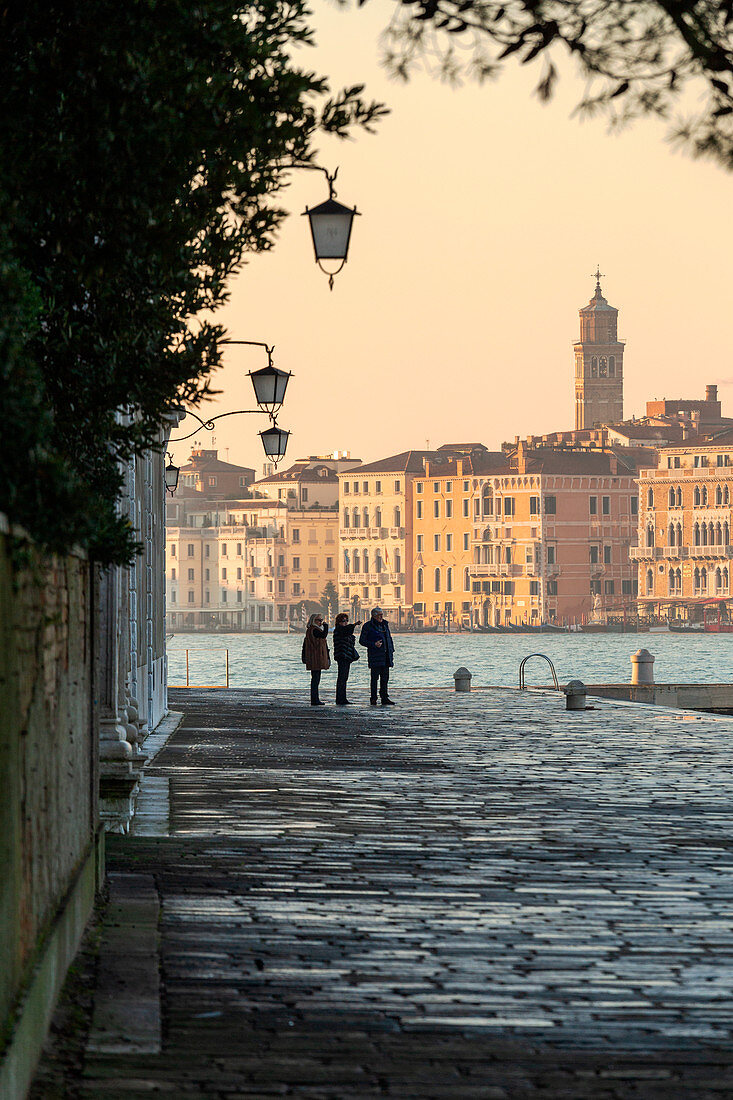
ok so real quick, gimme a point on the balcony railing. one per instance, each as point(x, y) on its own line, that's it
point(502, 569)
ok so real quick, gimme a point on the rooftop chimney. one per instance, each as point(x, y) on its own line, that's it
point(711, 393)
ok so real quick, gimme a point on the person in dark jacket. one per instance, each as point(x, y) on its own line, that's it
point(315, 655)
point(376, 636)
point(344, 652)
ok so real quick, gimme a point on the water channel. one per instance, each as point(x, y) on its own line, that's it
point(429, 660)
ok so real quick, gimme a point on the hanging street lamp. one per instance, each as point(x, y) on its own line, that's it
point(331, 224)
point(170, 473)
point(269, 384)
point(275, 442)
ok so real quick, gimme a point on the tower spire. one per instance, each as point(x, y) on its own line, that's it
point(598, 275)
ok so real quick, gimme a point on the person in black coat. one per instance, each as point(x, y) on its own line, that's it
point(345, 653)
point(376, 636)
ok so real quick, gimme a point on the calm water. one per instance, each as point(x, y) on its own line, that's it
point(429, 660)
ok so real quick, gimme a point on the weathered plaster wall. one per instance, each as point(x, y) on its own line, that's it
point(48, 754)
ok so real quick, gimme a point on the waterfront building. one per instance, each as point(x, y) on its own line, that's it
point(377, 511)
point(375, 535)
point(207, 473)
point(226, 564)
point(684, 546)
point(442, 520)
point(310, 491)
point(312, 553)
point(599, 360)
point(551, 538)
point(309, 482)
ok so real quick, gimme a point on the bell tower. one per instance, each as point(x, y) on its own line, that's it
point(599, 364)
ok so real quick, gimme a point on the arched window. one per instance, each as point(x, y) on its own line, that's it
point(355, 518)
point(718, 496)
point(650, 536)
point(670, 539)
point(594, 367)
point(671, 497)
point(696, 534)
point(650, 498)
point(466, 580)
point(718, 579)
point(696, 579)
point(603, 366)
point(696, 497)
point(679, 534)
point(419, 580)
point(726, 495)
point(486, 501)
point(671, 582)
point(366, 517)
point(378, 517)
point(357, 562)
point(346, 517)
point(704, 494)
point(449, 580)
point(725, 578)
point(649, 582)
point(397, 562)
point(726, 534)
point(711, 534)
point(718, 534)
point(679, 497)
point(703, 579)
point(398, 517)
point(378, 563)
point(611, 366)
point(437, 580)
point(678, 578)
point(704, 533)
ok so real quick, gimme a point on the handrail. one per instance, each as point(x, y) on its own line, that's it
point(522, 684)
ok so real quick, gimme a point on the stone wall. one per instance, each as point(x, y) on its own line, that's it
point(48, 758)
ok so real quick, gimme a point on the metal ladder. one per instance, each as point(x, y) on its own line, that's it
point(522, 684)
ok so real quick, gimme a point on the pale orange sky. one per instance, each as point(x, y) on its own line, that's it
point(484, 215)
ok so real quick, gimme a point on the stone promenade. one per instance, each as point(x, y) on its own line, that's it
point(465, 896)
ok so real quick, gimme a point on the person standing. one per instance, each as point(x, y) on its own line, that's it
point(376, 636)
point(315, 655)
point(344, 652)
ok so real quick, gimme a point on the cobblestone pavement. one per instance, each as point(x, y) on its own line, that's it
point(464, 896)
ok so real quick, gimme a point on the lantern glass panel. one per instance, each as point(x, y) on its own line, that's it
point(275, 442)
point(269, 385)
point(331, 235)
point(331, 229)
point(171, 478)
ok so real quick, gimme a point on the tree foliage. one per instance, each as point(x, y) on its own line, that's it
point(669, 58)
point(144, 148)
point(329, 601)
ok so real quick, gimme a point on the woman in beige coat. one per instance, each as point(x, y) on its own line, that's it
point(315, 655)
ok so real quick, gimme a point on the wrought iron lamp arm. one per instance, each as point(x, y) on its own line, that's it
point(209, 424)
point(330, 176)
point(253, 344)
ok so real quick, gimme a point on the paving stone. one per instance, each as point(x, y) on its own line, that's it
point(469, 896)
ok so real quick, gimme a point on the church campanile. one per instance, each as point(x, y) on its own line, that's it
point(599, 364)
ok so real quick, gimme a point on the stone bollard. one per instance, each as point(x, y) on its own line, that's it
point(642, 667)
point(575, 695)
point(463, 679)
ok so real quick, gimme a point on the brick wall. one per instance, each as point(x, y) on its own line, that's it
point(47, 752)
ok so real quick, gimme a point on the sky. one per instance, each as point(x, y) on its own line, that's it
point(483, 216)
